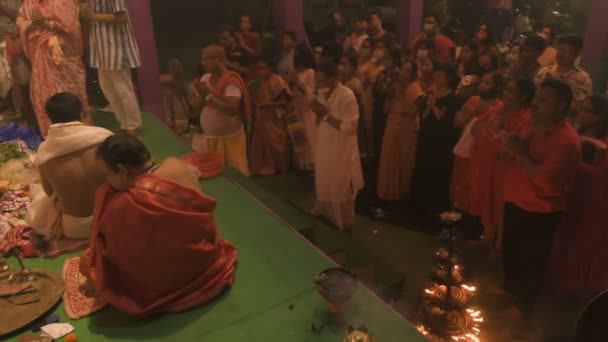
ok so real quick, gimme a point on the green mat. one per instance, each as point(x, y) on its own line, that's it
point(273, 298)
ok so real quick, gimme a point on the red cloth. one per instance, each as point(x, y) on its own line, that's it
point(253, 41)
point(23, 238)
point(557, 155)
point(444, 47)
point(579, 259)
point(464, 175)
point(233, 78)
point(155, 248)
point(487, 198)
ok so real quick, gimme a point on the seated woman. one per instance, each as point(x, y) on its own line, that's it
point(68, 172)
point(155, 246)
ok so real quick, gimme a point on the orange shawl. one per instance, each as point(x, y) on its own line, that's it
point(233, 78)
point(155, 248)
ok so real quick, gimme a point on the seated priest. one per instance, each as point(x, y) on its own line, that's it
point(66, 160)
point(155, 246)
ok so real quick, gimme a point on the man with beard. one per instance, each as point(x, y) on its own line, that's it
point(465, 180)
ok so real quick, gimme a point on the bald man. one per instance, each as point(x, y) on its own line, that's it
point(223, 103)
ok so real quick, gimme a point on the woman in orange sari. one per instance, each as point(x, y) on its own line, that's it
point(270, 149)
point(398, 154)
point(51, 35)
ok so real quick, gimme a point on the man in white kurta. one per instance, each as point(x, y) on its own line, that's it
point(338, 172)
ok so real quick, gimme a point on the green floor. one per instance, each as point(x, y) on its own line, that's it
point(273, 298)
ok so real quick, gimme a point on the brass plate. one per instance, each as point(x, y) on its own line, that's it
point(49, 289)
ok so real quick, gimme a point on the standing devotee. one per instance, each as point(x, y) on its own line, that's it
point(436, 141)
point(335, 33)
point(539, 176)
point(491, 133)
point(578, 259)
point(288, 50)
point(444, 47)
point(155, 246)
point(355, 40)
point(270, 151)
point(68, 172)
point(51, 37)
point(398, 154)
point(568, 51)
point(549, 57)
point(348, 77)
point(221, 103)
point(484, 37)
point(249, 41)
point(377, 31)
point(237, 59)
point(338, 174)
point(501, 21)
point(302, 84)
point(114, 52)
point(484, 105)
point(20, 73)
point(527, 65)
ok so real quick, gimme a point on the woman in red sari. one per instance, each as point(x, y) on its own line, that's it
point(579, 259)
point(155, 246)
point(51, 35)
point(491, 133)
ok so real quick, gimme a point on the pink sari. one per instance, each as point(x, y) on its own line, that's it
point(56, 56)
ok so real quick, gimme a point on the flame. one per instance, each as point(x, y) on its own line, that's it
point(469, 288)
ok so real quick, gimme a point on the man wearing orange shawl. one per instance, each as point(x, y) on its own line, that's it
point(155, 246)
point(270, 149)
point(222, 100)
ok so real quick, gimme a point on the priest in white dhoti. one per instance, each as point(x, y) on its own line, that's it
point(66, 160)
point(338, 172)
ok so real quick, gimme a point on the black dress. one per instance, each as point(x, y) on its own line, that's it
point(433, 170)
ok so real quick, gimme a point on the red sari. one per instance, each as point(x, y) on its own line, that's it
point(579, 259)
point(155, 248)
point(464, 175)
point(56, 56)
point(487, 200)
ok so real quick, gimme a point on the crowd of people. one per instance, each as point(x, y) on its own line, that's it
point(505, 129)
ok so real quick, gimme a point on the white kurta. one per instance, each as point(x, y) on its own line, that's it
point(338, 171)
